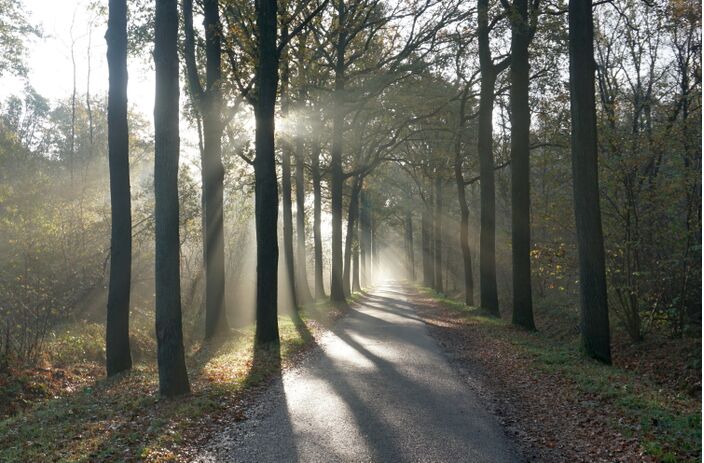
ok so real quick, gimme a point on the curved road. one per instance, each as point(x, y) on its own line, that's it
point(378, 390)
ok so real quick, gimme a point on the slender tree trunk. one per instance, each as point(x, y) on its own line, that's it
point(209, 105)
point(317, 234)
point(353, 212)
point(173, 378)
point(286, 190)
point(213, 178)
point(303, 291)
point(410, 258)
point(590, 241)
point(464, 208)
point(117, 335)
point(337, 293)
point(487, 238)
point(426, 238)
point(438, 235)
point(520, 167)
point(356, 286)
point(364, 238)
point(266, 188)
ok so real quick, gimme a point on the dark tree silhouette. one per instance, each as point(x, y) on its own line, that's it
point(266, 187)
point(173, 378)
point(117, 336)
point(208, 101)
point(438, 233)
point(521, 33)
point(590, 241)
point(464, 207)
point(317, 212)
point(286, 200)
point(337, 178)
point(487, 238)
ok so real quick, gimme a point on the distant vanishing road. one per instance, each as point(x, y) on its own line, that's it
point(379, 389)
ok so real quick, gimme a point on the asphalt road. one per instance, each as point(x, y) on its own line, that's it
point(378, 390)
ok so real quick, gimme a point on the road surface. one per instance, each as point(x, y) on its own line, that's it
point(378, 389)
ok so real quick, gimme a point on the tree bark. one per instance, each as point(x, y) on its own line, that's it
point(438, 233)
point(286, 190)
point(356, 285)
point(520, 166)
point(208, 102)
point(337, 293)
point(266, 187)
point(464, 208)
point(117, 335)
point(410, 257)
point(353, 212)
point(487, 237)
point(173, 378)
point(317, 234)
point(303, 291)
point(590, 241)
point(426, 238)
point(364, 238)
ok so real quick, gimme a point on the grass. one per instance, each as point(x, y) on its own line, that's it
point(666, 423)
point(124, 419)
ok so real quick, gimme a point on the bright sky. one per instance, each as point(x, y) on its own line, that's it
point(49, 60)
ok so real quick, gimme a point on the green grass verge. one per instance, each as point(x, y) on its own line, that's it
point(124, 419)
point(666, 423)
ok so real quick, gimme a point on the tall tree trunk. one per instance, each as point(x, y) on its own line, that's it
point(364, 238)
point(464, 208)
point(317, 234)
point(438, 234)
point(208, 101)
point(337, 179)
point(117, 335)
point(286, 189)
point(520, 166)
point(487, 237)
point(426, 238)
point(590, 241)
point(213, 177)
point(173, 378)
point(303, 291)
point(266, 187)
point(410, 258)
point(356, 285)
point(353, 212)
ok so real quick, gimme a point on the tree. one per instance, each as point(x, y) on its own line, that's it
point(487, 239)
point(14, 30)
point(266, 187)
point(173, 378)
point(286, 182)
point(521, 35)
point(317, 218)
point(438, 231)
point(208, 102)
point(590, 241)
point(464, 207)
point(117, 332)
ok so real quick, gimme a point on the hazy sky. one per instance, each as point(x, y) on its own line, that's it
point(49, 60)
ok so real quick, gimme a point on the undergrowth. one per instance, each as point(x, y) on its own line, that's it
point(124, 419)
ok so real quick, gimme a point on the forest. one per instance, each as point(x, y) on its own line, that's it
point(350, 230)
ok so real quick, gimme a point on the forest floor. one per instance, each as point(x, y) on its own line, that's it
point(562, 406)
point(555, 404)
point(72, 412)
